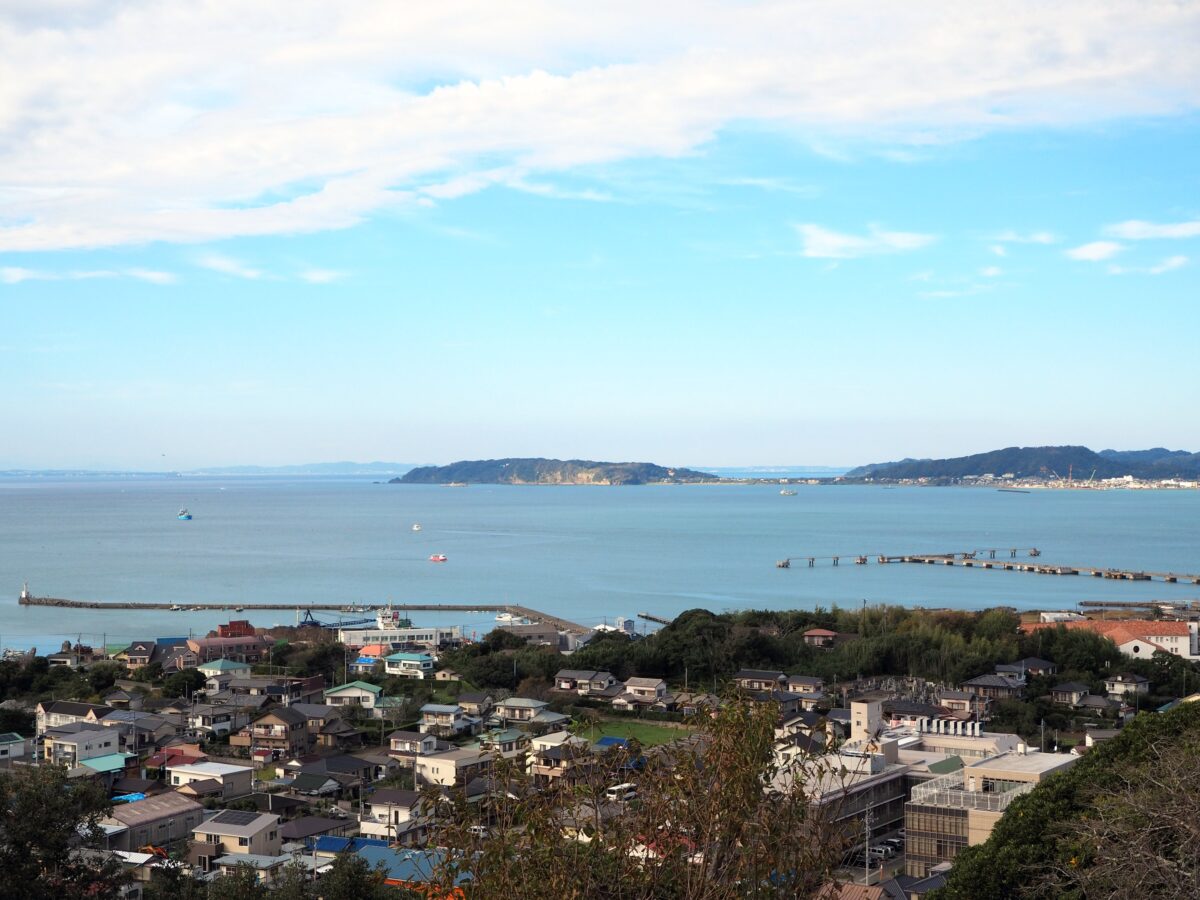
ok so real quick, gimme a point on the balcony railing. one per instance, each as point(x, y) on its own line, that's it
point(949, 791)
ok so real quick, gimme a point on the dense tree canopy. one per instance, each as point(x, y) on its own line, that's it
point(42, 817)
point(1122, 822)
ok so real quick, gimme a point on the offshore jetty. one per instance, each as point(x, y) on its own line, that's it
point(976, 559)
point(27, 599)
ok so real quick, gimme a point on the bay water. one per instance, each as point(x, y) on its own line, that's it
point(588, 554)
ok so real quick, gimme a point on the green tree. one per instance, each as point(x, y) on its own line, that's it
point(240, 884)
point(294, 883)
point(174, 882)
point(18, 720)
point(1049, 841)
point(351, 878)
point(40, 812)
point(183, 683)
point(103, 675)
point(702, 825)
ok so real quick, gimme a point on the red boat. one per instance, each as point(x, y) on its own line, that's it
point(438, 557)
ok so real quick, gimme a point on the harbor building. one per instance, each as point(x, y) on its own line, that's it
point(431, 637)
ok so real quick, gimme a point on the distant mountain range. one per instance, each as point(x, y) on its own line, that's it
point(1044, 462)
point(550, 471)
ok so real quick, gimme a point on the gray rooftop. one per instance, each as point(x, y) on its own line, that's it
point(154, 808)
point(237, 823)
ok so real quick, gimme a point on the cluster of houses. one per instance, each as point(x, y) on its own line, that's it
point(306, 788)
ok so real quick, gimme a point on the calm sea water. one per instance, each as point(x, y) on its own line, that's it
point(585, 553)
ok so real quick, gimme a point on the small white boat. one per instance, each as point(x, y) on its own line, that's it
point(175, 607)
point(416, 526)
point(183, 515)
point(786, 493)
point(438, 557)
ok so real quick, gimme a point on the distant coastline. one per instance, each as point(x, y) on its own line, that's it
point(538, 470)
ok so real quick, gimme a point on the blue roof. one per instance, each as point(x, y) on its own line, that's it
point(170, 642)
point(612, 742)
point(413, 866)
point(327, 843)
point(365, 661)
point(412, 657)
point(111, 762)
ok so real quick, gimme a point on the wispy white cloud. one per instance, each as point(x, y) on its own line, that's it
point(774, 185)
point(1096, 251)
point(153, 276)
point(1170, 264)
point(819, 242)
point(999, 250)
point(1030, 237)
point(320, 276)
point(227, 265)
point(557, 192)
point(17, 274)
point(1136, 230)
point(991, 271)
point(193, 113)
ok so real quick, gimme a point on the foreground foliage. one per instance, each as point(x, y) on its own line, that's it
point(702, 826)
point(43, 817)
point(1122, 822)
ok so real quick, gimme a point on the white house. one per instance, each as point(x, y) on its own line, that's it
point(355, 693)
point(445, 720)
point(389, 813)
point(409, 665)
point(640, 692)
point(1125, 683)
point(452, 767)
point(234, 781)
point(518, 709)
point(224, 667)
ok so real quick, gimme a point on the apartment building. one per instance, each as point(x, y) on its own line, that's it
point(959, 809)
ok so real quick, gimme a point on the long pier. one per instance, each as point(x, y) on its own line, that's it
point(650, 617)
point(995, 558)
point(520, 611)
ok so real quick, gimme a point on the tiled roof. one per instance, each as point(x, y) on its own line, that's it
point(756, 675)
point(1072, 687)
point(1143, 628)
point(395, 797)
point(361, 685)
point(153, 808)
point(994, 681)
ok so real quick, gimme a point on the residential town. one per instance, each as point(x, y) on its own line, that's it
point(217, 757)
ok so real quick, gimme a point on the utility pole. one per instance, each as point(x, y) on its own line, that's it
point(867, 844)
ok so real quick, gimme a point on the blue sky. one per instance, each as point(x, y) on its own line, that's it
point(887, 233)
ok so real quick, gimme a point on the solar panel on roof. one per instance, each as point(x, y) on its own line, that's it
point(235, 817)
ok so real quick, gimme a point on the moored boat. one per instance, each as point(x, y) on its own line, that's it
point(438, 557)
point(184, 515)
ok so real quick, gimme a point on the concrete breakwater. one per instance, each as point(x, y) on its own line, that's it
point(25, 599)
